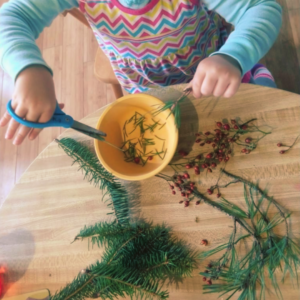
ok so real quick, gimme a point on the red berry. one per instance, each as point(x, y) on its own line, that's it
point(186, 203)
point(220, 151)
point(198, 140)
point(218, 131)
point(176, 184)
point(196, 168)
point(207, 133)
point(188, 191)
point(213, 145)
point(188, 166)
point(137, 160)
point(216, 140)
point(279, 145)
point(197, 172)
point(202, 144)
point(179, 189)
point(198, 202)
point(230, 140)
point(192, 188)
point(204, 166)
point(209, 282)
point(219, 124)
point(209, 191)
point(244, 127)
point(198, 156)
point(209, 170)
point(213, 165)
point(179, 177)
point(218, 195)
point(205, 243)
point(244, 150)
point(220, 159)
point(180, 181)
point(150, 157)
point(186, 196)
point(226, 158)
point(173, 192)
point(192, 183)
point(233, 121)
point(223, 146)
point(209, 155)
point(183, 194)
point(226, 126)
point(182, 153)
point(248, 140)
point(204, 278)
point(248, 152)
point(186, 175)
point(282, 151)
point(208, 142)
point(171, 187)
point(236, 127)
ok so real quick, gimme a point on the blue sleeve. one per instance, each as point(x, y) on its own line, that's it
point(21, 22)
point(257, 24)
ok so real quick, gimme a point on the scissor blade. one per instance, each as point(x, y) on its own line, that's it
point(88, 130)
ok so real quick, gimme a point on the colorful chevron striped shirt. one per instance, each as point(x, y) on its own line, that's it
point(159, 44)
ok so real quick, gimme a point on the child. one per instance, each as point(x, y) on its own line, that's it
point(149, 43)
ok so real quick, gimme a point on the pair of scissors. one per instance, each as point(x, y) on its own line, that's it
point(59, 119)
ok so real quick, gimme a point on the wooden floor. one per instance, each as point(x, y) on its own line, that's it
point(69, 48)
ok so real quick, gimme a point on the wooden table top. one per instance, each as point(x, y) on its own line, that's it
point(52, 202)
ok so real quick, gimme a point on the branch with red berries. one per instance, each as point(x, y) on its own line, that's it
point(288, 147)
point(222, 140)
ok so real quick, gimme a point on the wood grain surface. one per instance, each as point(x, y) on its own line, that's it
point(77, 87)
point(52, 202)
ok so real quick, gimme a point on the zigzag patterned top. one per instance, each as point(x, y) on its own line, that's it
point(158, 45)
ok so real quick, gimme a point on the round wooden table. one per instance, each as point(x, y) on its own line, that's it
point(52, 201)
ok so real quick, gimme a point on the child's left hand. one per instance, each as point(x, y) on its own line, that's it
point(216, 76)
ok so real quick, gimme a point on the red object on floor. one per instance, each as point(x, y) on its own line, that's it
point(2, 271)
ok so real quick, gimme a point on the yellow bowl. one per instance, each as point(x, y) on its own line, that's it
point(112, 121)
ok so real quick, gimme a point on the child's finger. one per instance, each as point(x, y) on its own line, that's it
point(232, 88)
point(197, 84)
point(220, 88)
point(13, 125)
point(21, 135)
point(208, 85)
point(5, 119)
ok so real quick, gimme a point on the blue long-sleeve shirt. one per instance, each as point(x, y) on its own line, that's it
point(257, 23)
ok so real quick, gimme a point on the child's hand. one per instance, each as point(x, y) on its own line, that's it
point(216, 76)
point(34, 100)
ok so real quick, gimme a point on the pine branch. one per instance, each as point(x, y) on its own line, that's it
point(95, 173)
point(125, 270)
point(263, 193)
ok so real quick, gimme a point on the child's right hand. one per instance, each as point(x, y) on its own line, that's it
point(34, 100)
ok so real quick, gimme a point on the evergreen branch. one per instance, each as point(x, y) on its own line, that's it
point(95, 173)
point(263, 193)
point(123, 245)
point(104, 233)
point(80, 288)
point(223, 209)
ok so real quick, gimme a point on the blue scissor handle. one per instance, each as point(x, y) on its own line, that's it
point(59, 119)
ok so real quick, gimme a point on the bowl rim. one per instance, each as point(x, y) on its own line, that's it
point(153, 172)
